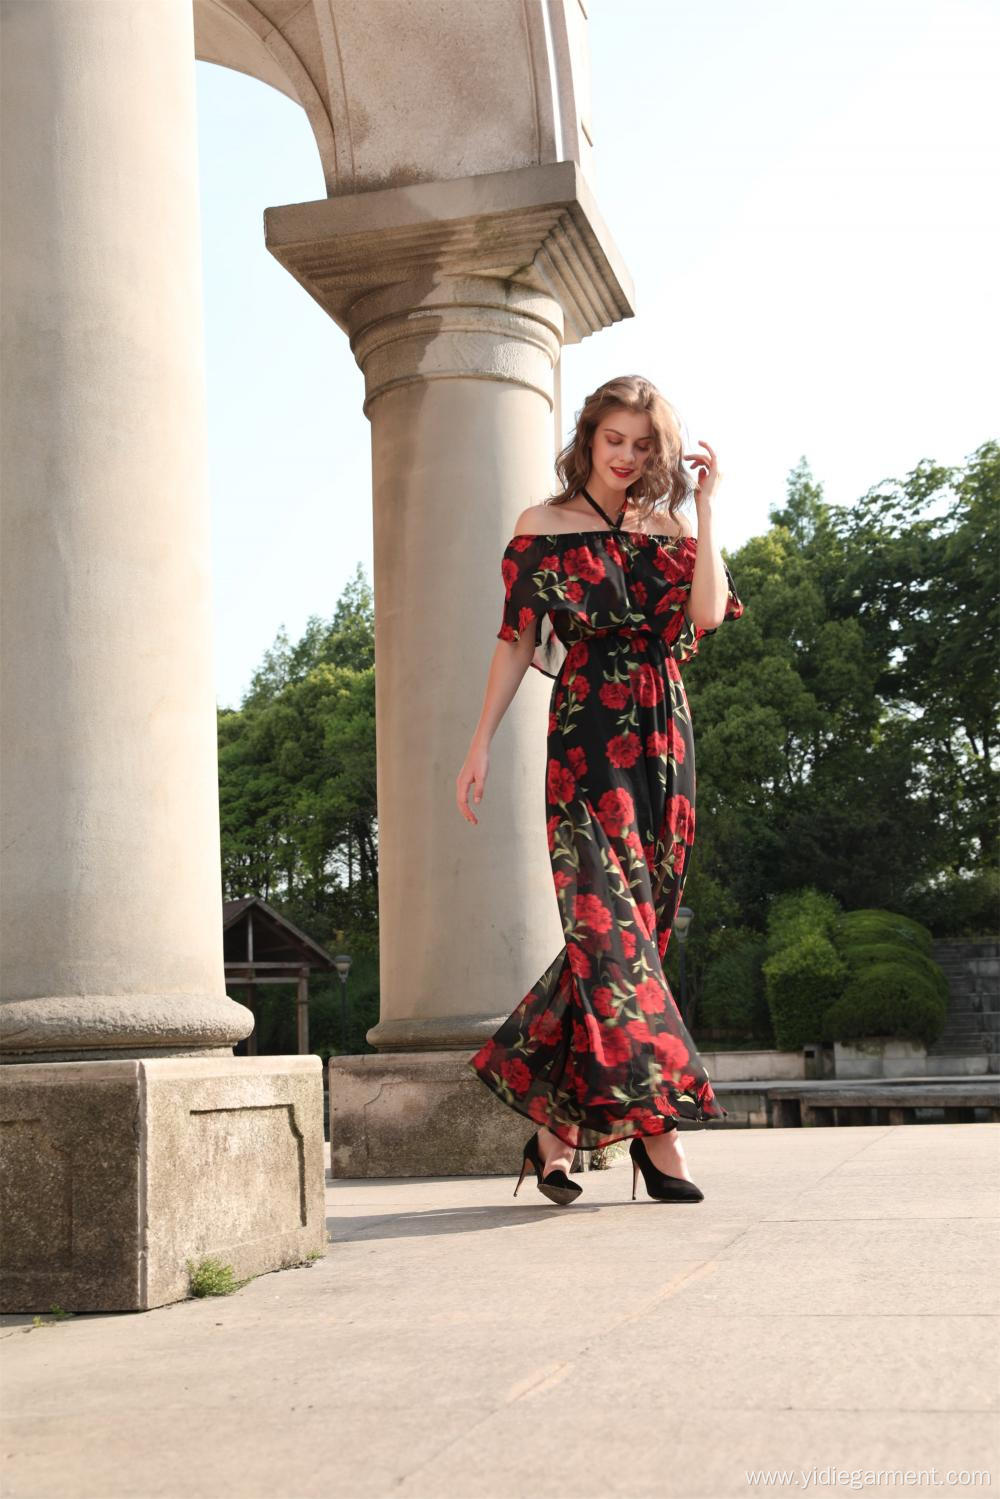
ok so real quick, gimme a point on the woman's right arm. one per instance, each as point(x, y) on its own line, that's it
point(511, 659)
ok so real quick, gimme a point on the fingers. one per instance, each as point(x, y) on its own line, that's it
point(462, 795)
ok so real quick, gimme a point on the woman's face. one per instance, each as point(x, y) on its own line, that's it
point(622, 444)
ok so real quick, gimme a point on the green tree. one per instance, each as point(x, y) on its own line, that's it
point(846, 725)
point(297, 782)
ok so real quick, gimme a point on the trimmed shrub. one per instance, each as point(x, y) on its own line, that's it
point(887, 999)
point(861, 955)
point(801, 982)
point(873, 925)
point(798, 912)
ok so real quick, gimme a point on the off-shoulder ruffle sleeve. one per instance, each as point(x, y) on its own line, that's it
point(685, 644)
point(532, 591)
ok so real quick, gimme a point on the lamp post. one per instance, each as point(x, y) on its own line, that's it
point(342, 963)
point(682, 922)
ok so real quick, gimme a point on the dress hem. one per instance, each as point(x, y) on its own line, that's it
point(679, 1122)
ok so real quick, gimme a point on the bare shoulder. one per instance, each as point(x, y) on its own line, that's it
point(678, 526)
point(535, 521)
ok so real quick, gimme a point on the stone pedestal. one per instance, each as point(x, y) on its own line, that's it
point(419, 1114)
point(114, 1174)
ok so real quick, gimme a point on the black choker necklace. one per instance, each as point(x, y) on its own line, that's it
point(614, 524)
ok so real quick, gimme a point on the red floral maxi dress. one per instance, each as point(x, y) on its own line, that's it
point(597, 1049)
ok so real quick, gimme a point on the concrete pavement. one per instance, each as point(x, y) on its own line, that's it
point(833, 1303)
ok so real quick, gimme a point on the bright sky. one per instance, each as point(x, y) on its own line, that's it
point(807, 197)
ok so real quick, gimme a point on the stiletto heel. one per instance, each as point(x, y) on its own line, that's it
point(524, 1166)
point(555, 1185)
point(660, 1186)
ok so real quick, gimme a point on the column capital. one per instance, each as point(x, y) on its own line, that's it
point(536, 227)
point(454, 327)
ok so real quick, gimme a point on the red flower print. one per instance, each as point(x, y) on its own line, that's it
point(648, 685)
point(650, 997)
point(671, 1053)
point(538, 1110)
point(615, 811)
point(609, 1043)
point(578, 960)
point(516, 1074)
point(680, 818)
point(603, 1000)
point(613, 694)
point(624, 750)
point(598, 1049)
point(577, 757)
point(644, 1117)
point(672, 602)
point(676, 748)
point(647, 915)
point(581, 562)
point(673, 566)
point(545, 1029)
point(590, 912)
point(561, 783)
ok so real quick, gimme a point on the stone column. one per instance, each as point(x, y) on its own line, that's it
point(111, 908)
point(132, 1137)
point(457, 297)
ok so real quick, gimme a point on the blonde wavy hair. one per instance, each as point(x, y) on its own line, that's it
point(663, 477)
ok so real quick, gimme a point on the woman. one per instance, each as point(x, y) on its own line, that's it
point(608, 591)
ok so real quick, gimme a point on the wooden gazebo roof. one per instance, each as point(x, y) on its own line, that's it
point(260, 946)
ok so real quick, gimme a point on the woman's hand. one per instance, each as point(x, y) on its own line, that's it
point(473, 772)
point(709, 473)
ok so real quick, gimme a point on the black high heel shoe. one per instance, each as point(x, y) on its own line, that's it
point(556, 1185)
point(659, 1185)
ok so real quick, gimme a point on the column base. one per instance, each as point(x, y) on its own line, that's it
point(92, 1027)
point(419, 1113)
point(115, 1173)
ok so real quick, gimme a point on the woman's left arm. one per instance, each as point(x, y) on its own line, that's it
point(709, 596)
